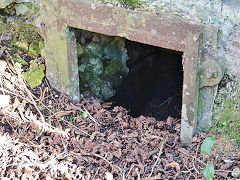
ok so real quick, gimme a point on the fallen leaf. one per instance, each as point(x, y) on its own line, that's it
point(174, 165)
point(61, 114)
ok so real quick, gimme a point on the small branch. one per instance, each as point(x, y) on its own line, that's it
point(91, 117)
point(17, 95)
point(214, 126)
point(35, 105)
point(192, 157)
point(110, 164)
point(130, 170)
point(77, 128)
point(159, 154)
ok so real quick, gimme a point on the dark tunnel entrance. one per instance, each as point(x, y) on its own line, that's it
point(146, 80)
point(153, 86)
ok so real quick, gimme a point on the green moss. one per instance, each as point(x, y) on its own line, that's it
point(113, 72)
point(27, 38)
point(131, 2)
point(9, 8)
point(4, 27)
point(18, 59)
point(134, 3)
point(27, 8)
point(35, 48)
point(229, 123)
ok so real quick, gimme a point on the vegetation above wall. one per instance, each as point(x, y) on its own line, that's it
point(134, 3)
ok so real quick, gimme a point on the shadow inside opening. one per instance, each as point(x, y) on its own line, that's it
point(153, 86)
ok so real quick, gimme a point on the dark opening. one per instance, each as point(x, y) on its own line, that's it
point(145, 79)
point(153, 86)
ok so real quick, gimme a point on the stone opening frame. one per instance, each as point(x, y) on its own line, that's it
point(162, 31)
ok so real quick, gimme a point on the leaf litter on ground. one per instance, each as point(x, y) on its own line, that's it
point(102, 142)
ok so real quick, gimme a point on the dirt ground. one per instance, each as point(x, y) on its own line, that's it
point(45, 135)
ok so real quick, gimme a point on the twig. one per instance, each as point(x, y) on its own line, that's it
point(17, 95)
point(223, 171)
point(30, 95)
point(196, 158)
point(192, 157)
point(43, 94)
point(9, 56)
point(130, 170)
point(214, 126)
point(76, 128)
point(159, 154)
point(35, 105)
point(110, 164)
point(91, 117)
point(155, 137)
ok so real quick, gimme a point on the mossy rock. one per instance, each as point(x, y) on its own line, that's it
point(101, 89)
point(5, 3)
point(27, 38)
point(113, 72)
point(4, 27)
point(18, 59)
point(19, 7)
point(102, 63)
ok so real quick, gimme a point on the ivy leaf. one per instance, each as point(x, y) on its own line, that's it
point(207, 145)
point(208, 171)
point(84, 114)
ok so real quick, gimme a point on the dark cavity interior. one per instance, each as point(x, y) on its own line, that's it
point(153, 86)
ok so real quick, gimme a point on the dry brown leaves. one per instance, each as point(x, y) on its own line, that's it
point(108, 144)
